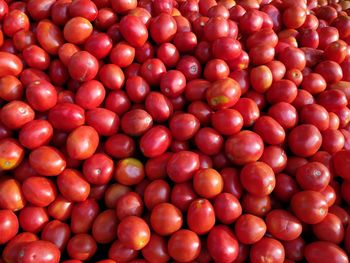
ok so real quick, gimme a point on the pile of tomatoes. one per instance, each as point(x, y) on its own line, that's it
point(158, 131)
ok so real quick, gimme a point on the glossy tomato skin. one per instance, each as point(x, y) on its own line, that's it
point(11, 153)
point(41, 95)
point(156, 249)
point(104, 228)
point(321, 251)
point(82, 142)
point(155, 141)
point(305, 140)
point(275, 221)
point(200, 216)
point(68, 182)
point(33, 218)
point(56, 232)
point(130, 204)
point(81, 247)
point(129, 171)
point(47, 161)
point(90, 94)
point(310, 201)
point(133, 232)
point(244, 147)
point(13, 247)
point(166, 219)
point(39, 191)
point(330, 229)
point(16, 113)
point(8, 225)
point(118, 251)
point(249, 229)
point(227, 208)
point(184, 245)
point(182, 165)
point(83, 215)
point(223, 94)
point(133, 30)
point(222, 244)
point(39, 250)
point(66, 116)
point(83, 66)
point(208, 183)
point(267, 249)
point(49, 36)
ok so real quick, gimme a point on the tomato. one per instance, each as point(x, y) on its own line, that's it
point(249, 229)
point(156, 250)
point(226, 48)
point(47, 161)
point(120, 146)
point(256, 205)
point(133, 30)
point(222, 244)
point(340, 163)
point(223, 94)
point(200, 216)
point(269, 130)
point(81, 247)
point(56, 232)
point(329, 229)
point(41, 95)
point(155, 141)
point(165, 219)
point(261, 78)
point(104, 228)
point(60, 209)
point(129, 204)
point(207, 183)
point(112, 76)
point(321, 251)
point(184, 245)
point(8, 225)
point(49, 36)
point(72, 185)
point(305, 140)
point(39, 250)
point(158, 191)
point(244, 147)
point(313, 176)
point(11, 153)
point(276, 220)
point(39, 191)
point(182, 195)
point(90, 94)
point(267, 249)
point(82, 142)
point(12, 196)
point(227, 208)
point(312, 202)
point(118, 251)
point(83, 66)
point(83, 215)
point(227, 121)
point(129, 171)
point(13, 247)
point(172, 83)
point(133, 232)
point(16, 113)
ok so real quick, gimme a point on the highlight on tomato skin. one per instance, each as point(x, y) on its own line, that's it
point(174, 131)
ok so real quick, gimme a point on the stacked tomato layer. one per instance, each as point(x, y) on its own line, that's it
point(158, 131)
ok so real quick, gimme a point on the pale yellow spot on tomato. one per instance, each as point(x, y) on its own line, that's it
point(219, 100)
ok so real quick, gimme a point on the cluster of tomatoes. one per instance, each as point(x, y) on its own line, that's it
point(158, 131)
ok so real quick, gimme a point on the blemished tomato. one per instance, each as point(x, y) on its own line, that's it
point(249, 229)
point(39, 250)
point(133, 232)
point(309, 206)
point(267, 249)
point(276, 220)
